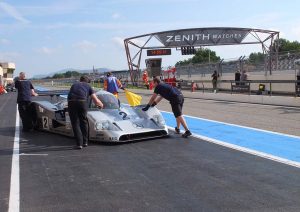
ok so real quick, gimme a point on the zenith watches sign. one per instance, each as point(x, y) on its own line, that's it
point(210, 36)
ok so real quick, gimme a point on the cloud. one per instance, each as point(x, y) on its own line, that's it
point(118, 41)
point(103, 25)
point(4, 41)
point(116, 16)
point(46, 50)
point(12, 12)
point(85, 46)
point(9, 56)
point(296, 31)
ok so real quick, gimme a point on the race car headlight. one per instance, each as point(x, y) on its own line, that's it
point(102, 125)
point(98, 126)
point(105, 125)
point(159, 120)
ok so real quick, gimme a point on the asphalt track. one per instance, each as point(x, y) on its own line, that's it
point(170, 174)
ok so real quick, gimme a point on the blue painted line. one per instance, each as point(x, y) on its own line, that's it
point(279, 145)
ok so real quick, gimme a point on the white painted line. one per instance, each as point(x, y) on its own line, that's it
point(250, 151)
point(14, 196)
point(30, 154)
point(246, 150)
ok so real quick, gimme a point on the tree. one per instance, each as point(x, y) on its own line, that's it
point(67, 74)
point(202, 55)
point(256, 58)
point(286, 45)
point(55, 76)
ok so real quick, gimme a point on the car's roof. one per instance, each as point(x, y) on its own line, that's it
point(103, 92)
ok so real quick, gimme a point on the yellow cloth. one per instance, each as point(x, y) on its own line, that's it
point(132, 98)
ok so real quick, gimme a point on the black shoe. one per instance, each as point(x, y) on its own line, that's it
point(186, 134)
point(177, 131)
point(85, 145)
point(78, 147)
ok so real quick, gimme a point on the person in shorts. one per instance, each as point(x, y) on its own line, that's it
point(176, 99)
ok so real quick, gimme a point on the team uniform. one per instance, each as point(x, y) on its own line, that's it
point(77, 106)
point(173, 95)
point(24, 103)
point(112, 85)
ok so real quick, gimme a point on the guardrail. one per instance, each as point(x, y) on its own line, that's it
point(289, 87)
point(248, 86)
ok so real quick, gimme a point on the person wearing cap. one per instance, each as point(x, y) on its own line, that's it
point(112, 84)
point(176, 99)
point(25, 92)
point(77, 106)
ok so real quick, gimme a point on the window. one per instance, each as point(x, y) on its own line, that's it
point(109, 101)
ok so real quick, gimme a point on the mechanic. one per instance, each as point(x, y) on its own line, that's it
point(176, 99)
point(77, 106)
point(112, 84)
point(25, 92)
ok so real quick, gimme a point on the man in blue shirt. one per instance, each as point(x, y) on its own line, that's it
point(25, 92)
point(77, 106)
point(112, 84)
point(176, 99)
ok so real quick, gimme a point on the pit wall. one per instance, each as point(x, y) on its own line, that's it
point(276, 75)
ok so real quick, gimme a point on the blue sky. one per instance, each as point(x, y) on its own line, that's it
point(43, 36)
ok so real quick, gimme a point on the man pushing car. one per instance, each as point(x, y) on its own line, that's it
point(176, 99)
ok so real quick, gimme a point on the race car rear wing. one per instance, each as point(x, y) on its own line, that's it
point(52, 93)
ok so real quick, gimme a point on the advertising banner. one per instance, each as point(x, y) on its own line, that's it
point(205, 37)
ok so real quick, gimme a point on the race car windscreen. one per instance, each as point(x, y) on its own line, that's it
point(109, 101)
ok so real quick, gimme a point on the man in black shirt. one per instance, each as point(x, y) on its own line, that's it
point(215, 77)
point(176, 99)
point(77, 106)
point(25, 92)
point(237, 77)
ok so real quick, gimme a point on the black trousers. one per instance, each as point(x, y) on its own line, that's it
point(78, 117)
point(26, 114)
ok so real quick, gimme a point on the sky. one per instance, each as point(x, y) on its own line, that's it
point(43, 36)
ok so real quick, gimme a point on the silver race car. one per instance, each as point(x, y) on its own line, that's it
point(115, 123)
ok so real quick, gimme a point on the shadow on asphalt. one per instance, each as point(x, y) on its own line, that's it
point(286, 110)
point(42, 142)
point(7, 131)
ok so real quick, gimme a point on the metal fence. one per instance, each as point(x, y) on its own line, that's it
point(285, 61)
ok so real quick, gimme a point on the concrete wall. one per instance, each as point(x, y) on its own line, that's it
point(276, 75)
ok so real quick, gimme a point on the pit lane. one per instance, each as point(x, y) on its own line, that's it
point(170, 174)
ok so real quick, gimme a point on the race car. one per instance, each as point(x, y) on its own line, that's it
point(10, 88)
point(116, 122)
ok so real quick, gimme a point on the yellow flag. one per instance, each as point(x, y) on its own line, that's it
point(132, 98)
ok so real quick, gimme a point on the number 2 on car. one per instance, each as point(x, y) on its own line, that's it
point(45, 122)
